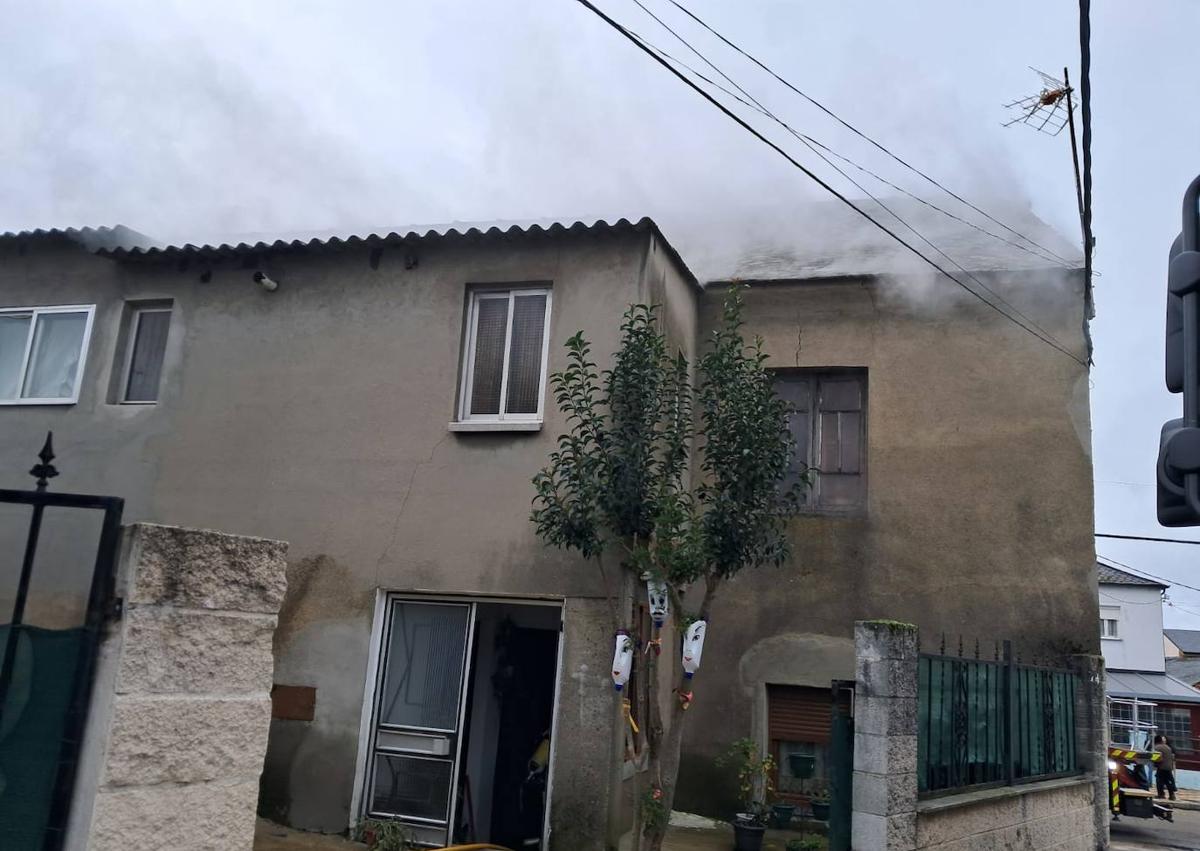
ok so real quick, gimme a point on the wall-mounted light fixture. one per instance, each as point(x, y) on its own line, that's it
point(265, 282)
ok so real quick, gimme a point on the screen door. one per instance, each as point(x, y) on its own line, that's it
point(418, 716)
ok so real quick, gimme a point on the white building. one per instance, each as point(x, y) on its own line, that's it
point(1131, 624)
point(1131, 633)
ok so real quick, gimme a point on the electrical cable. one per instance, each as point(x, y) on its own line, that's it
point(808, 142)
point(858, 132)
point(1146, 575)
point(823, 184)
point(1054, 259)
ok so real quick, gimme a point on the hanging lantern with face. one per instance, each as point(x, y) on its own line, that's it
point(622, 659)
point(660, 604)
point(693, 647)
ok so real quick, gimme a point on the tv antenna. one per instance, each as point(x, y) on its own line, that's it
point(1047, 111)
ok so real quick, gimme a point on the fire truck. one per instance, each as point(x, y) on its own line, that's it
point(1131, 762)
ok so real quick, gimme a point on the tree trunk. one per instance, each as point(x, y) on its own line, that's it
point(664, 758)
point(641, 675)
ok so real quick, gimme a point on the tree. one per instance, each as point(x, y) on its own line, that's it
point(686, 482)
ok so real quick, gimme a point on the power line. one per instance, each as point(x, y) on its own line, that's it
point(742, 123)
point(1147, 575)
point(1143, 538)
point(804, 137)
point(859, 133)
point(809, 142)
point(1183, 608)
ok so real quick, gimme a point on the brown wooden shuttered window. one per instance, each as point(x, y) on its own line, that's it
point(827, 416)
point(798, 714)
point(798, 729)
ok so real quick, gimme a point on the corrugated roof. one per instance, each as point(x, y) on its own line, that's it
point(1187, 640)
point(1110, 575)
point(1149, 685)
point(405, 236)
point(115, 238)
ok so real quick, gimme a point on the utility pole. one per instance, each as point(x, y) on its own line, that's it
point(1085, 110)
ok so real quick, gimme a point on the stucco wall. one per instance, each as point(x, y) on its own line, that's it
point(318, 414)
point(979, 513)
point(1139, 645)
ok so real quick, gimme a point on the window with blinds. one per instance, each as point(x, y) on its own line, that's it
point(827, 416)
point(146, 347)
point(504, 368)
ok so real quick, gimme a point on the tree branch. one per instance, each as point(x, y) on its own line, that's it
point(711, 582)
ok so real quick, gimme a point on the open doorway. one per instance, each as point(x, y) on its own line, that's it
point(461, 721)
point(510, 709)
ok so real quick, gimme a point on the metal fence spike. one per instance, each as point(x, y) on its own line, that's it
point(45, 470)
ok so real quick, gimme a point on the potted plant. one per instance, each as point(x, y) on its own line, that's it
point(820, 805)
point(782, 813)
point(384, 835)
point(754, 785)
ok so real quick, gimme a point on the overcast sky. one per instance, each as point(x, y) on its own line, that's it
point(192, 121)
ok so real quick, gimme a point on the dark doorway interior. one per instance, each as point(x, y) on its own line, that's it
point(502, 791)
point(526, 695)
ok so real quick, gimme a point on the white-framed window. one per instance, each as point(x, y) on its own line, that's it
point(42, 352)
point(144, 350)
point(504, 362)
point(1110, 617)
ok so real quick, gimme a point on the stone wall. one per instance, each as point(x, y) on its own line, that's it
point(1067, 813)
point(181, 708)
point(1056, 814)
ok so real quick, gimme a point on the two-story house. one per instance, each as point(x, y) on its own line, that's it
point(380, 402)
point(1131, 639)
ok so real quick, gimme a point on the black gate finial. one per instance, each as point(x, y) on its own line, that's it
point(45, 470)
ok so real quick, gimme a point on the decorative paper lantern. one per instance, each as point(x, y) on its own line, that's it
point(660, 604)
point(622, 659)
point(693, 647)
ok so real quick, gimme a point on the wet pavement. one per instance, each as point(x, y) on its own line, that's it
point(1134, 834)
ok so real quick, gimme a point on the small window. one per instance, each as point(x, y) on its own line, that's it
point(146, 347)
point(42, 350)
point(799, 726)
point(1176, 724)
point(1109, 618)
point(504, 368)
point(827, 415)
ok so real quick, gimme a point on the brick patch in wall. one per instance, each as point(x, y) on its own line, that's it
point(293, 703)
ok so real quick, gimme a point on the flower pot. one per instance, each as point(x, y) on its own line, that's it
point(748, 836)
point(820, 810)
point(802, 765)
point(781, 815)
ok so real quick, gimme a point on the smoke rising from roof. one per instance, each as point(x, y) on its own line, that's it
point(200, 122)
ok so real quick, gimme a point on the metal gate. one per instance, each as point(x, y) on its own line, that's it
point(46, 672)
point(841, 770)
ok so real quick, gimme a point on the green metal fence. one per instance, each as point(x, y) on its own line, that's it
point(992, 722)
